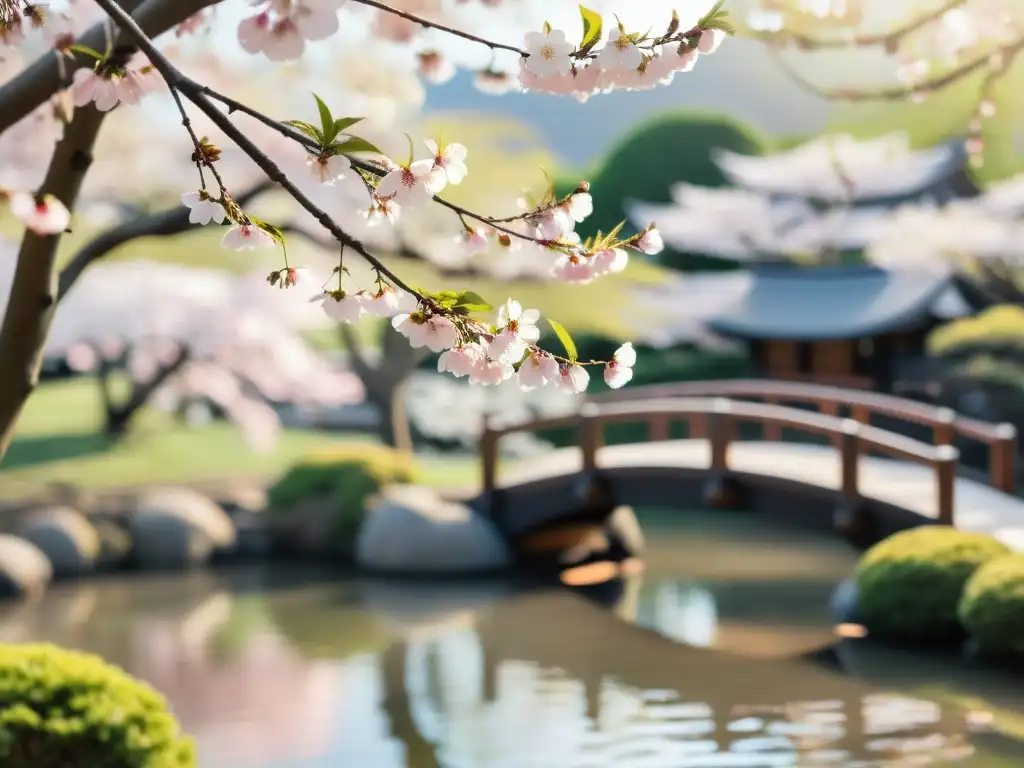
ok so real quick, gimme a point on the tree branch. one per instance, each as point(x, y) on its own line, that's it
point(168, 222)
point(41, 79)
point(889, 39)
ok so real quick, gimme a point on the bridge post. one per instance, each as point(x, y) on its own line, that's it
point(945, 484)
point(722, 491)
point(942, 431)
point(591, 435)
point(1002, 459)
point(852, 519)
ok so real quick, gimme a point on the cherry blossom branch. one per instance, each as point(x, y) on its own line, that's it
point(234, 105)
point(176, 80)
point(426, 23)
point(43, 78)
point(889, 39)
point(900, 92)
point(172, 221)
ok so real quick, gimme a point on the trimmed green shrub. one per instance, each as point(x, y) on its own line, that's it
point(344, 478)
point(992, 604)
point(909, 585)
point(65, 709)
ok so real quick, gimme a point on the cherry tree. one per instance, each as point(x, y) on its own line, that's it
point(932, 46)
point(115, 64)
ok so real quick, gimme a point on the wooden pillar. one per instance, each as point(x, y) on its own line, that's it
point(770, 430)
point(489, 457)
point(942, 430)
point(945, 483)
point(849, 463)
point(831, 408)
point(659, 427)
point(591, 437)
point(1002, 458)
point(697, 426)
point(720, 433)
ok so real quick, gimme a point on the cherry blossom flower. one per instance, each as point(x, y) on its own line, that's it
point(450, 159)
point(296, 276)
point(88, 86)
point(381, 210)
point(710, 40)
point(328, 168)
point(573, 268)
point(461, 361)
point(413, 184)
point(619, 370)
point(620, 54)
point(550, 53)
point(537, 370)
point(516, 330)
point(473, 240)
point(573, 378)
point(610, 261)
point(202, 208)
point(388, 301)
point(45, 215)
point(340, 306)
point(494, 82)
point(254, 32)
point(246, 237)
point(435, 68)
point(436, 332)
point(650, 241)
point(580, 206)
point(490, 371)
point(12, 33)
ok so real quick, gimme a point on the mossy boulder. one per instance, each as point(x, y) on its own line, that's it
point(318, 506)
point(909, 585)
point(992, 605)
point(65, 709)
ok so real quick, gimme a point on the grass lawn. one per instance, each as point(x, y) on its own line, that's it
point(59, 440)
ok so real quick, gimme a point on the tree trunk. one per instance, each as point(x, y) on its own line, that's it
point(33, 297)
point(387, 382)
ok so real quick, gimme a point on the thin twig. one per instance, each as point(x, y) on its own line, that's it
point(175, 79)
point(442, 28)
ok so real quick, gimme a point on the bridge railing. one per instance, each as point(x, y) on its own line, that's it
point(945, 423)
point(721, 417)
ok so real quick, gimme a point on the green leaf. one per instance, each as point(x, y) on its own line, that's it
point(470, 301)
point(326, 120)
point(711, 14)
point(310, 130)
point(346, 122)
point(356, 144)
point(592, 28)
point(565, 338)
point(86, 51)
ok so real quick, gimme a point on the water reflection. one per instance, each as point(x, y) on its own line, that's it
point(283, 669)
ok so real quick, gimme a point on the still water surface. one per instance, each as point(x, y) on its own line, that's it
point(711, 657)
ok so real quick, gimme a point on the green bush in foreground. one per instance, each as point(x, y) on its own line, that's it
point(992, 605)
point(344, 478)
point(909, 585)
point(65, 709)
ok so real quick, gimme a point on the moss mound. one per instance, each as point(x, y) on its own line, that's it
point(342, 479)
point(909, 585)
point(992, 604)
point(65, 709)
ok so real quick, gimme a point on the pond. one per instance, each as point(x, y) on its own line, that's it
point(716, 655)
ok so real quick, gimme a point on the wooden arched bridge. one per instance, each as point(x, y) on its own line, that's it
point(866, 480)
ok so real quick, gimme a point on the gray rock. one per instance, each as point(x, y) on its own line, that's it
point(25, 571)
point(174, 528)
point(413, 530)
point(66, 537)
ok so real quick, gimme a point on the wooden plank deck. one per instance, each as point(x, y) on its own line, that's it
point(910, 486)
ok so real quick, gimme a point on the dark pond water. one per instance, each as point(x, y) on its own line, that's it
point(710, 657)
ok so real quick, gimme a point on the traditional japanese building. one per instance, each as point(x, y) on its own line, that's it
point(861, 327)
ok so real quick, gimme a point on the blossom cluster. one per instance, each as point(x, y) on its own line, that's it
point(281, 28)
point(554, 66)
